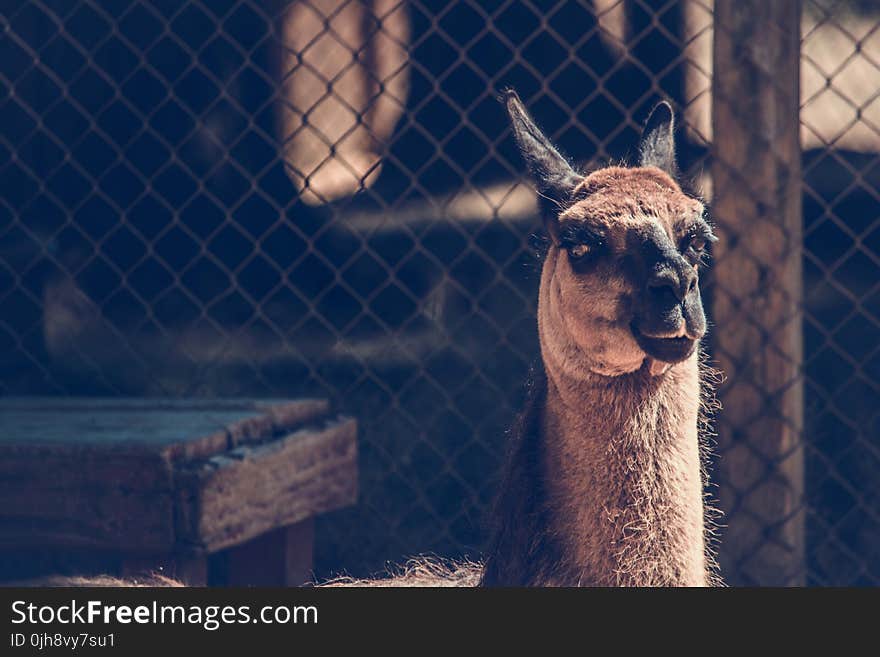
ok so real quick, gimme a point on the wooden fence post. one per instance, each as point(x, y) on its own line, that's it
point(756, 172)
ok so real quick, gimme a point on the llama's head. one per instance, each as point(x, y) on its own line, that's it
point(620, 285)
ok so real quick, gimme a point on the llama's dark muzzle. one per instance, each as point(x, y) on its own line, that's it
point(668, 328)
point(667, 350)
point(669, 317)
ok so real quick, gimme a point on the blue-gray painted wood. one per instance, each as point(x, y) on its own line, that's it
point(146, 422)
point(167, 475)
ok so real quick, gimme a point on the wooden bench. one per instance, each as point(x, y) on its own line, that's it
point(209, 492)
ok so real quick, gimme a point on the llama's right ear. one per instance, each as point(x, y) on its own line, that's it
point(657, 146)
point(553, 175)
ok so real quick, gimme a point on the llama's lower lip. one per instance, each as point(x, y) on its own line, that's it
point(668, 350)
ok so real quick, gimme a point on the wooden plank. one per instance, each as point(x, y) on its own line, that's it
point(101, 474)
point(289, 416)
point(77, 497)
point(179, 429)
point(757, 318)
point(234, 497)
point(138, 404)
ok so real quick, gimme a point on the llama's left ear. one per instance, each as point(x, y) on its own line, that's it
point(553, 175)
point(657, 147)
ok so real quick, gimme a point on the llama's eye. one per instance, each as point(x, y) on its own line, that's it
point(578, 251)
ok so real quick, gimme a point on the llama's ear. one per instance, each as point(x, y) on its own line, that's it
point(553, 175)
point(657, 147)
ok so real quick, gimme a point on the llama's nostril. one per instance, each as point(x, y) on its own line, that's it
point(661, 282)
point(672, 279)
point(665, 288)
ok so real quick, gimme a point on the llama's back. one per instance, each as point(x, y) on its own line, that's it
point(421, 572)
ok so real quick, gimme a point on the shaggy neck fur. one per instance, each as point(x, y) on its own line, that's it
point(604, 485)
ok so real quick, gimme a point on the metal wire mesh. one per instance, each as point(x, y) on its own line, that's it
point(241, 198)
point(840, 123)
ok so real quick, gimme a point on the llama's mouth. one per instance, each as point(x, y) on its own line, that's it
point(667, 350)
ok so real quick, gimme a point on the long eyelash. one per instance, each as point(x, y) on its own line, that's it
point(700, 230)
point(703, 230)
point(574, 234)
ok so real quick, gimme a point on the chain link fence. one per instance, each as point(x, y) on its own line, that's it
point(321, 197)
point(840, 118)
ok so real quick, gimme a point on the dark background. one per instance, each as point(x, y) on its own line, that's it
point(151, 244)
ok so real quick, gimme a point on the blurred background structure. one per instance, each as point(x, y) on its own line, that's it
point(249, 198)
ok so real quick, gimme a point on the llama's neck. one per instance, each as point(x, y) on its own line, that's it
point(604, 482)
point(603, 485)
point(621, 467)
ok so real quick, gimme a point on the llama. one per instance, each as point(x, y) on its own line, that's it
point(604, 480)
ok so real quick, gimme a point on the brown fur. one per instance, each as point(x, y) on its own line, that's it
point(624, 481)
point(606, 474)
point(621, 474)
point(421, 572)
point(584, 320)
